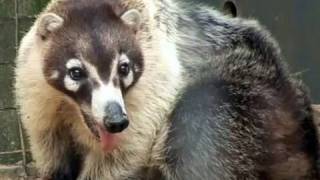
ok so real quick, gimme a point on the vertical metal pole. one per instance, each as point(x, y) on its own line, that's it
point(24, 157)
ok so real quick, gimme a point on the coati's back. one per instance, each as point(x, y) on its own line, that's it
point(245, 116)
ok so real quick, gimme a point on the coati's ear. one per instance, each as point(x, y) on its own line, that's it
point(49, 23)
point(132, 18)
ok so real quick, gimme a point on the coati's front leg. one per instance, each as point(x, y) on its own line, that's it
point(48, 125)
point(55, 155)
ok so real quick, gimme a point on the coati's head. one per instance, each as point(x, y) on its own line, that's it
point(92, 56)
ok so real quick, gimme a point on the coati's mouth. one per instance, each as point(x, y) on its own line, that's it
point(107, 140)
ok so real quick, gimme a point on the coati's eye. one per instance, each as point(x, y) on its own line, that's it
point(124, 69)
point(77, 74)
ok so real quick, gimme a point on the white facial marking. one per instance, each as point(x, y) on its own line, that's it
point(54, 75)
point(129, 79)
point(102, 96)
point(72, 63)
point(124, 58)
point(70, 84)
point(105, 93)
point(114, 65)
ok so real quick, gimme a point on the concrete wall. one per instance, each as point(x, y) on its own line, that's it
point(16, 17)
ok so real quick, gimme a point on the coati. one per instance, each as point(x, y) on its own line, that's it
point(141, 89)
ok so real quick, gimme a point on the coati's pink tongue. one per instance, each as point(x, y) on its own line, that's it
point(108, 141)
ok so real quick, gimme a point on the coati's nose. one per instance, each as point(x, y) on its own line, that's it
point(116, 120)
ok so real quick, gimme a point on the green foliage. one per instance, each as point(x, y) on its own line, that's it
point(38, 5)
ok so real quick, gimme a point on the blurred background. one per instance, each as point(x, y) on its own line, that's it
point(294, 23)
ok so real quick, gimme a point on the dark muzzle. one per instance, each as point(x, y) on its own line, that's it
point(116, 120)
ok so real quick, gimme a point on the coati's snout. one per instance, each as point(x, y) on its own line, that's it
point(116, 120)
